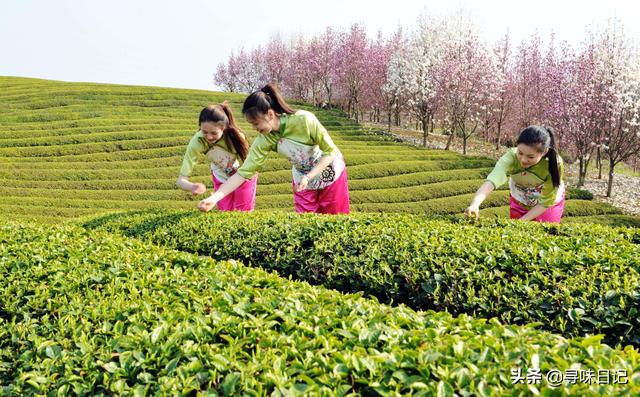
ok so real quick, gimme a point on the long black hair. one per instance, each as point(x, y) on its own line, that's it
point(543, 136)
point(259, 102)
point(232, 134)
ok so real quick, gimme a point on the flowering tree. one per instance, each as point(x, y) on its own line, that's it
point(420, 71)
point(249, 70)
point(377, 63)
point(466, 70)
point(528, 82)
point(296, 79)
point(582, 117)
point(351, 68)
point(227, 75)
point(276, 61)
point(500, 106)
point(621, 66)
point(394, 88)
point(325, 62)
point(222, 79)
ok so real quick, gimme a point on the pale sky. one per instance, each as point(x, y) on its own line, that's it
point(179, 43)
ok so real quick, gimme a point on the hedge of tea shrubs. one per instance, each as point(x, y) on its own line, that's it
point(87, 313)
point(573, 279)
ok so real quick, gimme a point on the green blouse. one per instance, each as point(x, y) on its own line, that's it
point(302, 127)
point(529, 186)
point(224, 160)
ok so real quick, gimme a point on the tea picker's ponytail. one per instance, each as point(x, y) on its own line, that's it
point(268, 98)
point(552, 155)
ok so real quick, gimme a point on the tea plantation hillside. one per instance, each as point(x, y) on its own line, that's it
point(76, 149)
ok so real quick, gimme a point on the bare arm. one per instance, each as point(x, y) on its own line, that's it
point(229, 186)
point(481, 194)
point(533, 213)
point(195, 188)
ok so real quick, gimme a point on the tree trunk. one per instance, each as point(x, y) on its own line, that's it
point(612, 166)
point(466, 137)
point(498, 133)
point(425, 130)
point(450, 140)
point(356, 111)
point(580, 173)
point(600, 163)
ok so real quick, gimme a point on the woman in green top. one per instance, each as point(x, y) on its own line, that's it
point(318, 168)
point(534, 171)
point(220, 139)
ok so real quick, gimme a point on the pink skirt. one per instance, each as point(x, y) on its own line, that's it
point(333, 199)
point(241, 199)
point(552, 214)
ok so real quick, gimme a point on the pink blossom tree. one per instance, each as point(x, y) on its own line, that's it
point(250, 70)
point(223, 79)
point(528, 82)
point(504, 88)
point(227, 75)
point(326, 61)
point(276, 61)
point(467, 69)
point(296, 79)
point(377, 63)
point(352, 69)
point(582, 114)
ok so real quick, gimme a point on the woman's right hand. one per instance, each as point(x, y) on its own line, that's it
point(198, 188)
point(207, 204)
point(472, 211)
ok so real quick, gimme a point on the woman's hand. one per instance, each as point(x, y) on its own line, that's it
point(483, 191)
point(198, 188)
point(303, 183)
point(207, 204)
point(472, 211)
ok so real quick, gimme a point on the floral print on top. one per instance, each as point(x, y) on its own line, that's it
point(304, 158)
point(529, 195)
point(223, 163)
point(303, 140)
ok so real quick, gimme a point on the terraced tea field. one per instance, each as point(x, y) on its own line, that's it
point(77, 149)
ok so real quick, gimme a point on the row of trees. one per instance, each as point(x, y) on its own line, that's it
point(442, 75)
